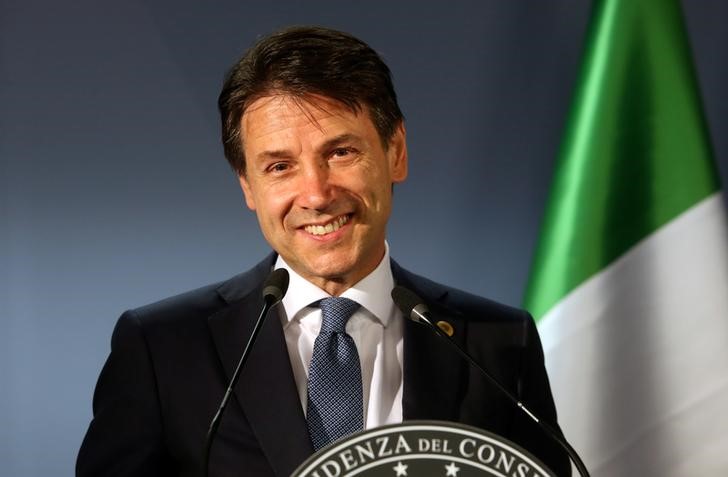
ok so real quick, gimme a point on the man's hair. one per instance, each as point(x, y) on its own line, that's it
point(304, 61)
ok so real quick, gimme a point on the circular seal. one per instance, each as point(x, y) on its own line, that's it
point(423, 448)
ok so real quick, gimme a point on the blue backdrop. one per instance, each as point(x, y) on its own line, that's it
point(114, 191)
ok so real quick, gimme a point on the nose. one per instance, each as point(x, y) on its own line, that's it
point(315, 191)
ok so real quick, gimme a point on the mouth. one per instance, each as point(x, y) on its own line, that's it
point(329, 227)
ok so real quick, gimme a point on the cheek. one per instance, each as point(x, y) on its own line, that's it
point(379, 192)
point(275, 207)
point(247, 193)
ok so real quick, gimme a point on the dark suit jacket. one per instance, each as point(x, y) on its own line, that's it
point(170, 363)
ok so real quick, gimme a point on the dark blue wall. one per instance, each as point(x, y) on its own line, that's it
point(114, 191)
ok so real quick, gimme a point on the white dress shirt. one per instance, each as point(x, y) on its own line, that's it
point(376, 328)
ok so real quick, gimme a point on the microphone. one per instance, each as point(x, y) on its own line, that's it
point(276, 286)
point(414, 308)
point(274, 289)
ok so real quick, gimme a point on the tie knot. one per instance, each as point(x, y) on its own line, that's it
point(336, 311)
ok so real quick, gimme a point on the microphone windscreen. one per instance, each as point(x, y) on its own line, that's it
point(405, 299)
point(276, 285)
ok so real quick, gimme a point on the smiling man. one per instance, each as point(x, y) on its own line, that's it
point(320, 179)
point(312, 128)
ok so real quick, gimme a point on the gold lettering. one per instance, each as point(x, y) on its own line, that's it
point(384, 451)
point(402, 444)
point(465, 447)
point(347, 458)
point(482, 452)
point(365, 453)
point(436, 447)
point(331, 468)
point(503, 462)
point(446, 447)
point(523, 469)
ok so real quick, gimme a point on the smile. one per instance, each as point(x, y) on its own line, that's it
point(332, 226)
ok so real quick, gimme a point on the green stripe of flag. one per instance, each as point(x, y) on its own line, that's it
point(635, 152)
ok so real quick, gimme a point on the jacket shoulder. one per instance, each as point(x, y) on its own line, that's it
point(455, 301)
point(203, 301)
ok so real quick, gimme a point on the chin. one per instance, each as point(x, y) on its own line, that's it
point(331, 269)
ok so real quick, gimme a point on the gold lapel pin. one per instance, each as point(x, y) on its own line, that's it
point(446, 328)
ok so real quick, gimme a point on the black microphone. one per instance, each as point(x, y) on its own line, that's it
point(414, 308)
point(274, 289)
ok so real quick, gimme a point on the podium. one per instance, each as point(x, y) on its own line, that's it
point(423, 449)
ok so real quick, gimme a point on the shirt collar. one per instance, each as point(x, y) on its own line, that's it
point(371, 292)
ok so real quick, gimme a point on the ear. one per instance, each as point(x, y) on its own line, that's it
point(247, 192)
point(397, 154)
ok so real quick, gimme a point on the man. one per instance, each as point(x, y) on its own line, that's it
point(312, 127)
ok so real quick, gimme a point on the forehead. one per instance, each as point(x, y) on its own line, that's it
point(285, 115)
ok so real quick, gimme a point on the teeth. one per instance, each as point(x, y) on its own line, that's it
point(332, 226)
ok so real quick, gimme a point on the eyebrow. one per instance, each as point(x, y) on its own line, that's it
point(276, 154)
point(338, 140)
point(328, 144)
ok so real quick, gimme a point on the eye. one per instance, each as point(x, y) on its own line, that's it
point(342, 152)
point(278, 167)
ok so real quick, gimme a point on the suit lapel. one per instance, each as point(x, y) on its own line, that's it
point(266, 390)
point(434, 374)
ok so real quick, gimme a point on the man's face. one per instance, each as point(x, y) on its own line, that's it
point(320, 181)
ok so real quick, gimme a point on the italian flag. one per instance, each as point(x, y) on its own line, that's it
point(629, 283)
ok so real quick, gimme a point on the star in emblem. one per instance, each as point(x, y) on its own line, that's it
point(401, 469)
point(452, 470)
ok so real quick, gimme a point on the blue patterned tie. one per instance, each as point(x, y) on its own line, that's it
point(335, 407)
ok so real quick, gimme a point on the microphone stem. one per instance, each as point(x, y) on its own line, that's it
point(551, 431)
point(268, 303)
